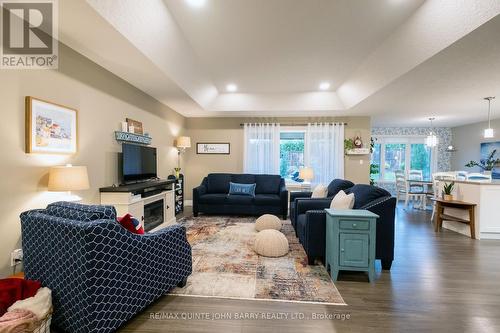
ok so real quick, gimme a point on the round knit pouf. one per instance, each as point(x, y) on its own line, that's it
point(270, 243)
point(268, 221)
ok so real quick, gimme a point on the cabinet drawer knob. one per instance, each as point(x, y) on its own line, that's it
point(341, 250)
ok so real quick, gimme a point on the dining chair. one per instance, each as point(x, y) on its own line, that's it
point(478, 176)
point(416, 175)
point(437, 177)
point(403, 188)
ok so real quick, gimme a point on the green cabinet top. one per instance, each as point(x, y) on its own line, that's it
point(351, 213)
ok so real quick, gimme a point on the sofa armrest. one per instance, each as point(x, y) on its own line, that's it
point(315, 233)
point(284, 200)
point(298, 194)
point(385, 208)
point(197, 193)
point(304, 205)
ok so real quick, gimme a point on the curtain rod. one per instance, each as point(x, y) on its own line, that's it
point(289, 124)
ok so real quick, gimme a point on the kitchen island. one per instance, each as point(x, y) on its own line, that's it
point(486, 195)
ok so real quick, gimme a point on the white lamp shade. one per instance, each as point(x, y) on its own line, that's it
point(488, 133)
point(68, 178)
point(431, 140)
point(306, 173)
point(183, 142)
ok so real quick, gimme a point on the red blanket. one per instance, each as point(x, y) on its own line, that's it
point(14, 289)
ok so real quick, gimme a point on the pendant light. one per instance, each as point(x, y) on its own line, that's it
point(488, 132)
point(432, 139)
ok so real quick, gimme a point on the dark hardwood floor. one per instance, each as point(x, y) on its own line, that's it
point(442, 282)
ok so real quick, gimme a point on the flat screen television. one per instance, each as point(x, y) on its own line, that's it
point(139, 163)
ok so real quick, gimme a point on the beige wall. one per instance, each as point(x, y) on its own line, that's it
point(103, 101)
point(229, 130)
point(467, 139)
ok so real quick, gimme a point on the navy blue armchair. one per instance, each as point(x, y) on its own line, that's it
point(311, 222)
point(100, 274)
point(211, 197)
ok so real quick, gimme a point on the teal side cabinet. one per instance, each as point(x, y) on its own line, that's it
point(350, 241)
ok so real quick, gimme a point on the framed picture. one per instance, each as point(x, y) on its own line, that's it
point(486, 149)
point(137, 125)
point(50, 128)
point(213, 148)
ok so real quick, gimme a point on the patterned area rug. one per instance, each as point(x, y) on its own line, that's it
point(225, 265)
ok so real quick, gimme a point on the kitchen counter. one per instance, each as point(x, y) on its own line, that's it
point(486, 195)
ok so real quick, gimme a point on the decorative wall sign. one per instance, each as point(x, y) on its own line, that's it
point(134, 138)
point(136, 124)
point(213, 148)
point(50, 128)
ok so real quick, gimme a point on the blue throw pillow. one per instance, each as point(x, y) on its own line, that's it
point(242, 189)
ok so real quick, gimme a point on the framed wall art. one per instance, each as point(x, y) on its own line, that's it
point(217, 148)
point(50, 128)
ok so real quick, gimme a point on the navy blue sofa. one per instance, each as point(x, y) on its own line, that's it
point(100, 274)
point(310, 224)
point(211, 197)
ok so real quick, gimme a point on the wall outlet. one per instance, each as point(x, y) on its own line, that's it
point(16, 257)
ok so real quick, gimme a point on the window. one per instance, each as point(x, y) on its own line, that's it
point(393, 153)
point(291, 153)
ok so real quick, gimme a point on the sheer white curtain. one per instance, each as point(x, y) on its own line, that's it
point(325, 151)
point(262, 148)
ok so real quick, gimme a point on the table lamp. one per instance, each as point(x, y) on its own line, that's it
point(306, 173)
point(182, 143)
point(69, 178)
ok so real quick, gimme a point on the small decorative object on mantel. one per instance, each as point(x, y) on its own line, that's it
point(354, 147)
point(134, 138)
point(50, 128)
point(213, 148)
point(358, 143)
point(134, 126)
point(447, 190)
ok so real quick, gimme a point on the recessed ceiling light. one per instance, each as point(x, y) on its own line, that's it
point(196, 3)
point(231, 87)
point(324, 86)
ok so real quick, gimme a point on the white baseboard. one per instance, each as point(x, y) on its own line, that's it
point(188, 203)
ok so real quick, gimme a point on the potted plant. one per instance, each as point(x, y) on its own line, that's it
point(487, 164)
point(447, 189)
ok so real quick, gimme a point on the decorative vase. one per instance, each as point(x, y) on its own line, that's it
point(448, 197)
point(487, 172)
point(177, 172)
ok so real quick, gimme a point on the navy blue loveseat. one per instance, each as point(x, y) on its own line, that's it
point(211, 197)
point(310, 221)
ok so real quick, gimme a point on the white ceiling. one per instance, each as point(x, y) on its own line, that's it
point(286, 46)
point(398, 61)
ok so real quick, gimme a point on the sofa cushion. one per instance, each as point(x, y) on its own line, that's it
point(242, 189)
point(342, 201)
point(364, 194)
point(267, 184)
point(131, 224)
point(244, 178)
point(320, 191)
point(213, 198)
point(218, 183)
point(267, 200)
point(81, 212)
point(338, 184)
point(235, 199)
